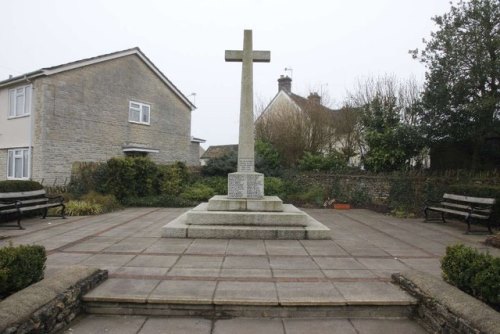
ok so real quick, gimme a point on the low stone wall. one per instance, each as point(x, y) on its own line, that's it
point(51, 304)
point(442, 308)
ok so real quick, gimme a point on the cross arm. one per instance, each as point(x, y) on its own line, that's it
point(257, 56)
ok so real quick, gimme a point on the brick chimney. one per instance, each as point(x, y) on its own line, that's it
point(285, 83)
point(314, 98)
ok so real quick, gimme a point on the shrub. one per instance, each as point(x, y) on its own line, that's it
point(359, 196)
point(19, 185)
point(217, 183)
point(475, 273)
point(274, 186)
point(86, 177)
point(121, 177)
point(82, 208)
point(20, 266)
point(145, 176)
point(198, 192)
point(173, 178)
point(108, 202)
point(267, 159)
point(331, 162)
point(221, 166)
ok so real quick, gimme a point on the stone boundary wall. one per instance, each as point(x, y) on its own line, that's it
point(443, 308)
point(51, 304)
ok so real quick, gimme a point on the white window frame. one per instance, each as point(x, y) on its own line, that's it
point(144, 111)
point(15, 156)
point(23, 92)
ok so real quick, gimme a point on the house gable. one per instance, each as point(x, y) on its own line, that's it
point(95, 60)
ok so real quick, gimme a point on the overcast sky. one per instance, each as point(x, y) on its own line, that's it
point(329, 44)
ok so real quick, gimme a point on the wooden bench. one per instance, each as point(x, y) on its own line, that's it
point(19, 202)
point(471, 208)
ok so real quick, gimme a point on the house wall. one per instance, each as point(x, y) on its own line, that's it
point(84, 117)
point(14, 132)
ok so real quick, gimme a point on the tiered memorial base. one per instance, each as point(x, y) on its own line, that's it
point(227, 218)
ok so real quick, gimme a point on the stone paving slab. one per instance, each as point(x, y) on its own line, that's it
point(365, 249)
point(98, 324)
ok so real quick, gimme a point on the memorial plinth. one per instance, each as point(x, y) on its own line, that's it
point(245, 213)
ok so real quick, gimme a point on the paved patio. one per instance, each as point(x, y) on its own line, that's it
point(351, 269)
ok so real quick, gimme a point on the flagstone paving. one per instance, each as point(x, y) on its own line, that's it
point(351, 269)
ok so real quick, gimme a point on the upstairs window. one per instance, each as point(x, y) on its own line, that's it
point(139, 112)
point(18, 163)
point(20, 101)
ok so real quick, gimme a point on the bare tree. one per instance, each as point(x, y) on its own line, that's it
point(295, 128)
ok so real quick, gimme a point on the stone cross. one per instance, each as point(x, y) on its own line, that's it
point(247, 56)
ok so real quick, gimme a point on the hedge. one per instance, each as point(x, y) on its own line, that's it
point(18, 186)
point(475, 273)
point(20, 266)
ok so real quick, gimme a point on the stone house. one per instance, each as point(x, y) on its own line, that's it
point(91, 110)
point(330, 127)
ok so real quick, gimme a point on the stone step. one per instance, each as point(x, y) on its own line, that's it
point(402, 309)
point(292, 224)
point(248, 297)
point(290, 216)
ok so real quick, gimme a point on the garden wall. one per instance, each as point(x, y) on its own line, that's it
point(51, 304)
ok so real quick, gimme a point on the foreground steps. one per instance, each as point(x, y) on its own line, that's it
point(228, 297)
point(224, 311)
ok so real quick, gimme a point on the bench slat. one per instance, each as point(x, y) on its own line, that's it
point(469, 199)
point(22, 194)
point(460, 213)
point(40, 206)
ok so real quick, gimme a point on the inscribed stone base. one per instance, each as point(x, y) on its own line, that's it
point(266, 204)
point(245, 185)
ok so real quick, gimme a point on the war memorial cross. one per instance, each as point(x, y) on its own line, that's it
point(247, 56)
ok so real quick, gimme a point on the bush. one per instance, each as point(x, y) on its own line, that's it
point(267, 159)
point(274, 186)
point(221, 166)
point(87, 177)
point(476, 273)
point(82, 208)
point(198, 192)
point(19, 185)
point(121, 177)
point(173, 178)
point(20, 266)
point(108, 202)
point(360, 196)
point(316, 162)
point(217, 183)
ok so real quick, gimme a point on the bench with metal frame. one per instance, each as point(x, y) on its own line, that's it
point(19, 202)
point(471, 208)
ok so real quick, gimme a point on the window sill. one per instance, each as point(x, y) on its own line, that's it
point(16, 117)
point(140, 123)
